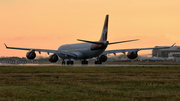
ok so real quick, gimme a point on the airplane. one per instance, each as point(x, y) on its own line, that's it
point(86, 50)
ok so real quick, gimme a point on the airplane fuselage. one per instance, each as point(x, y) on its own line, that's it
point(81, 50)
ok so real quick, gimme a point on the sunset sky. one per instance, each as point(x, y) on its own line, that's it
point(47, 24)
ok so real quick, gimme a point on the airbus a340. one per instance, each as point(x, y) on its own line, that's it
point(86, 50)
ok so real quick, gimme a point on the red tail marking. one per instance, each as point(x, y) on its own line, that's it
point(105, 30)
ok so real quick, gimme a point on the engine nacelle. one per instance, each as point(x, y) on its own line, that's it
point(31, 55)
point(103, 58)
point(132, 55)
point(53, 58)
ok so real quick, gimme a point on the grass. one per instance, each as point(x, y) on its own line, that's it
point(144, 63)
point(89, 83)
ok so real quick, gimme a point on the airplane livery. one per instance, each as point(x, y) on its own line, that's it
point(86, 50)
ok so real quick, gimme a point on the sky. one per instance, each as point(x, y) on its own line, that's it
point(48, 24)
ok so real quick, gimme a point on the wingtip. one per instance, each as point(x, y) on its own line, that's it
point(173, 45)
point(5, 45)
point(80, 40)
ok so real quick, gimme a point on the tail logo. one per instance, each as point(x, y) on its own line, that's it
point(105, 30)
point(105, 34)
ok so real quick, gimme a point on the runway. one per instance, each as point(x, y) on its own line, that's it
point(91, 65)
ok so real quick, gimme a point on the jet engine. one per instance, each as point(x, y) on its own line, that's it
point(31, 55)
point(103, 58)
point(132, 55)
point(53, 58)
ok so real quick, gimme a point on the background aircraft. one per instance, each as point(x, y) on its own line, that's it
point(86, 50)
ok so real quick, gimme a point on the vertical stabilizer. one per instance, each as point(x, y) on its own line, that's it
point(105, 30)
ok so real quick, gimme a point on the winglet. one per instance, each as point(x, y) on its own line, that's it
point(5, 45)
point(173, 45)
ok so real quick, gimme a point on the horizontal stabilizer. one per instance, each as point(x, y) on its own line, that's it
point(90, 42)
point(100, 43)
point(123, 41)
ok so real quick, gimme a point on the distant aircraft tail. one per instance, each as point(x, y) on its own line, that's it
point(105, 30)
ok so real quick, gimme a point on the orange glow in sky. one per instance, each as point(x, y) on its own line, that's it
point(47, 24)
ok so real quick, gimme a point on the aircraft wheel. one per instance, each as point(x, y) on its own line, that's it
point(70, 62)
point(84, 62)
point(63, 63)
point(98, 62)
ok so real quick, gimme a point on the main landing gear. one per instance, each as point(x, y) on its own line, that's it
point(68, 62)
point(98, 62)
point(84, 62)
point(63, 63)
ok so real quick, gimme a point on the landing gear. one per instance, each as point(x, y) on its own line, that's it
point(84, 62)
point(70, 62)
point(63, 62)
point(98, 62)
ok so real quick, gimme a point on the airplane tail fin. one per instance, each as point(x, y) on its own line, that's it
point(105, 30)
point(104, 36)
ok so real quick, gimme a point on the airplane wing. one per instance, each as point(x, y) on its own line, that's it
point(43, 50)
point(131, 50)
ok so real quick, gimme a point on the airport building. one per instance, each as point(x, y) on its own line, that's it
point(168, 52)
